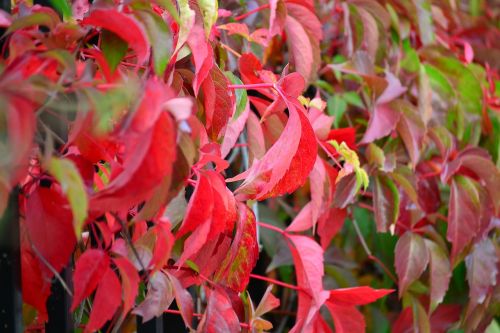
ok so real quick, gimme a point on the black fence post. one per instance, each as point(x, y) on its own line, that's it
point(58, 306)
point(154, 325)
point(11, 303)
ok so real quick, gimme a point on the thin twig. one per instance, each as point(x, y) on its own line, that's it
point(52, 269)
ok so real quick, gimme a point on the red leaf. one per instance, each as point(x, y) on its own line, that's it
point(482, 270)
point(346, 319)
point(286, 164)
point(124, 26)
point(308, 259)
point(467, 213)
point(36, 283)
point(49, 224)
point(218, 101)
point(130, 282)
point(148, 159)
point(411, 259)
point(203, 55)
point(219, 316)
point(357, 295)
point(210, 212)
point(89, 270)
point(242, 257)
point(107, 299)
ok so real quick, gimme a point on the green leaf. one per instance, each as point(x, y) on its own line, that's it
point(66, 173)
point(46, 19)
point(209, 11)
point(336, 107)
point(114, 49)
point(241, 94)
point(63, 7)
point(425, 25)
point(170, 7)
point(159, 32)
point(353, 98)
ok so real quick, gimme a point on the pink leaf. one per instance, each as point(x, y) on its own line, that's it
point(482, 270)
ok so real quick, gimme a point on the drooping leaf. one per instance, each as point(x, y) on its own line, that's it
point(385, 202)
point(411, 259)
point(67, 174)
point(183, 299)
point(411, 128)
point(218, 101)
point(49, 226)
point(108, 298)
point(440, 272)
point(130, 283)
point(159, 296)
point(464, 213)
point(208, 10)
point(308, 260)
point(159, 32)
point(304, 34)
point(482, 270)
point(149, 157)
point(202, 56)
point(287, 163)
point(219, 316)
point(240, 260)
point(89, 271)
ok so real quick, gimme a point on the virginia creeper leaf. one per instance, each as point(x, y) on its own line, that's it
point(411, 259)
point(89, 271)
point(108, 298)
point(67, 174)
point(124, 26)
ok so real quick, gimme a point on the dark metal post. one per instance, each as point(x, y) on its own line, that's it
point(154, 325)
point(58, 306)
point(10, 268)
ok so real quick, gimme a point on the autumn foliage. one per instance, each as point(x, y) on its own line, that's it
point(253, 166)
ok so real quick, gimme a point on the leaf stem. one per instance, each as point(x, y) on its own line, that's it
point(276, 282)
point(272, 227)
point(253, 11)
point(230, 49)
point(251, 86)
point(177, 312)
point(369, 253)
